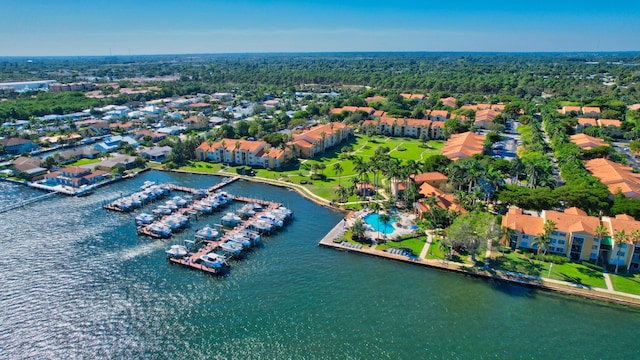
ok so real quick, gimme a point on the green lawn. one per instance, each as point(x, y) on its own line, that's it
point(363, 146)
point(415, 244)
point(84, 162)
point(628, 284)
point(588, 275)
point(204, 167)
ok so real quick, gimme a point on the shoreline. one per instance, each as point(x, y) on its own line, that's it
point(283, 184)
point(481, 273)
point(629, 300)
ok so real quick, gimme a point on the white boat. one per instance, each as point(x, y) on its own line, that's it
point(231, 248)
point(144, 218)
point(254, 236)
point(262, 225)
point(242, 240)
point(177, 251)
point(160, 229)
point(213, 260)
point(147, 184)
point(208, 233)
point(230, 219)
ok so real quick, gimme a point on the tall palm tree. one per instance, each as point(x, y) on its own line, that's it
point(337, 168)
point(549, 227)
point(635, 240)
point(620, 237)
point(541, 242)
point(358, 230)
point(507, 233)
point(385, 218)
point(600, 232)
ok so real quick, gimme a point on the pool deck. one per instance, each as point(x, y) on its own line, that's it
point(558, 286)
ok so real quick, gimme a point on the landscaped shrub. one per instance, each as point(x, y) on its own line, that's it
point(317, 177)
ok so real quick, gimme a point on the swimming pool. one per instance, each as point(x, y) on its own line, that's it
point(372, 219)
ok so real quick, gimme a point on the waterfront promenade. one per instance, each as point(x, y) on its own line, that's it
point(608, 294)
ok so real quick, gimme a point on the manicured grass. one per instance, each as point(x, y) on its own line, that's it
point(415, 244)
point(204, 167)
point(588, 275)
point(363, 146)
point(84, 162)
point(576, 273)
point(435, 252)
point(628, 284)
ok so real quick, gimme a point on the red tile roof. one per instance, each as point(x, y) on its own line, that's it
point(463, 145)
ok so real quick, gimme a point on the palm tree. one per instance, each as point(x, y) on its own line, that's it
point(600, 232)
point(358, 229)
point(385, 218)
point(635, 239)
point(620, 237)
point(541, 242)
point(507, 234)
point(337, 168)
point(549, 227)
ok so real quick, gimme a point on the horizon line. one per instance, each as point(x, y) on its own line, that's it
point(580, 52)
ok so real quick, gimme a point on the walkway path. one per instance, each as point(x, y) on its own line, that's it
point(425, 249)
point(607, 280)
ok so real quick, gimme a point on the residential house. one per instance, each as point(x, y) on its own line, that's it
point(111, 143)
point(76, 176)
point(118, 159)
point(16, 146)
point(575, 235)
point(319, 138)
point(197, 122)
point(155, 137)
point(201, 107)
point(241, 152)
point(566, 110)
point(31, 167)
point(449, 101)
point(156, 153)
point(70, 156)
point(399, 127)
point(463, 145)
point(438, 115)
point(352, 109)
point(375, 98)
point(587, 142)
point(584, 123)
point(485, 117)
point(419, 97)
point(617, 177)
point(609, 122)
point(591, 111)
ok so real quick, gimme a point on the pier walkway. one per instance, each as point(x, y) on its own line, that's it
point(192, 260)
point(26, 202)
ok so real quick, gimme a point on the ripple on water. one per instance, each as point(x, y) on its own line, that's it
point(79, 283)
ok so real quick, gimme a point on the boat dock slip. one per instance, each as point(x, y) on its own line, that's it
point(191, 261)
point(224, 182)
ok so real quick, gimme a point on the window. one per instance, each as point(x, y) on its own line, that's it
point(593, 247)
point(620, 253)
point(524, 244)
point(561, 242)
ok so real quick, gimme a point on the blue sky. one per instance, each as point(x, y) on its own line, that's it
point(101, 27)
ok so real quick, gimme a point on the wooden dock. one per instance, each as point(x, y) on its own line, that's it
point(192, 260)
point(221, 184)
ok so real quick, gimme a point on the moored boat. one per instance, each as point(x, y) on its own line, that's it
point(177, 251)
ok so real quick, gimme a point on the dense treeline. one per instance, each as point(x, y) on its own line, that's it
point(527, 76)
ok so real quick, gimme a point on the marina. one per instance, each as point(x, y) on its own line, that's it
point(211, 246)
point(99, 294)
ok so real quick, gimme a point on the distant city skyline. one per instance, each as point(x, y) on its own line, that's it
point(117, 27)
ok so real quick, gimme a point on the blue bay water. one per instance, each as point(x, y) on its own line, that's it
point(77, 282)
